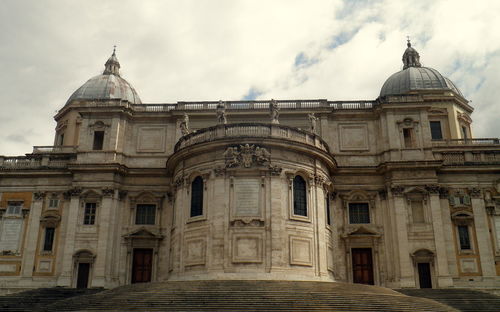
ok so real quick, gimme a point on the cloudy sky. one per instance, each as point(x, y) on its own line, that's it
point(184, 50)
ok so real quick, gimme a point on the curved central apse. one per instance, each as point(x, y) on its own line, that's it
point(251, 202)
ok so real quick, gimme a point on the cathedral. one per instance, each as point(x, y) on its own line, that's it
point(394, 192)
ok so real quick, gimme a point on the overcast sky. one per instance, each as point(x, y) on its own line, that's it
point(230, 49)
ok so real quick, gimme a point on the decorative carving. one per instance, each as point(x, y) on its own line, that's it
point(333, 195)
point(313, 119)
point(221, 113)
point(246, 155)
point(443, 192)
point(179, 182)
point(432, 189)
point(319, 179)
point(382, 194)
point(219, 171)
point(275, 170)
point(72, 192)
point(122, 194)
point(274, 111)
point(247, 223)
point(475, 192)
point(39, 195)
point(108, 192)
point(397, 190)
point(184, 125)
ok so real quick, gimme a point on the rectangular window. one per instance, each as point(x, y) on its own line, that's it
point(328, 217)
point(463, 236)
point(49, 239)
point(98, 140)
point(61, 139)
point(408, 137)
point(359, 213)
point(436, 132)
point(53, 203)
point(145, 214)
point(14, 208)
point(89, 216)
point(417, 211)
point(464, 132)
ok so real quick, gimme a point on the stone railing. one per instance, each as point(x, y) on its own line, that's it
point(246, 130)
point(250, 105)
point(54, 149)
point(472, 157)
point(466, 142)
point(23, 162)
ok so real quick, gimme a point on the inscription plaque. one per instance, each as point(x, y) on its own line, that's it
point(11, 231)
point(246, 197)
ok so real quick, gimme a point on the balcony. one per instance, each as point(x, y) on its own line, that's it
point(60, 149)
point(466, 142)
point(24, 163)
point(245, 130)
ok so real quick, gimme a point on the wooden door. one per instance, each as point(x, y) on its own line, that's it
point(424, 275)
point(142, 265)
point(82, 280)
point(362, 266)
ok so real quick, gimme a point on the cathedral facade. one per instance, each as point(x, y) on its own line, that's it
point(393, 192)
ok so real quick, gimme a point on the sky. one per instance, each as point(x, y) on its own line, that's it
point(184, 50)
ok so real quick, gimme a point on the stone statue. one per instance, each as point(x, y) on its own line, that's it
point(221, 113)
point(313, 120)
point(184, 125)
point(274, 111)
point(261, 155)
point(231, 155)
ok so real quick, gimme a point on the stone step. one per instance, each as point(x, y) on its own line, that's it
point(461, 299)
point(247, 296)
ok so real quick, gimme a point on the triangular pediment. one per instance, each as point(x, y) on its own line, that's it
point(143, 233)
point(363, 231)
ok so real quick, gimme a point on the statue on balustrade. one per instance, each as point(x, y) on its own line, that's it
point(184, 125)
point(313, 119)
point(221, 113)
point(274, 111)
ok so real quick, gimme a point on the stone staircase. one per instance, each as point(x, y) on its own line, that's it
point(35, 299)
point(460, 299)
point(247, 296)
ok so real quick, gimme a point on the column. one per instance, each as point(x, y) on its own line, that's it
point(407, 279)
point(29, 252)
point(442, 272)
point(101, 274)
point(482, 234)
point(69, 243)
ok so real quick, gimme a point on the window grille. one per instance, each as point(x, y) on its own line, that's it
point(197, 197)
point(436, 132)
point(463, 236)
point(145, 214)
point(328, 217)
point(299, 196)
point(49, 239)
point(90, 211)
point(359, 213)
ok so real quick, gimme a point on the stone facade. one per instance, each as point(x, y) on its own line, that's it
point(391, 192)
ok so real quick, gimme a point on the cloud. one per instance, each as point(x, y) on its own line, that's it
point(231, 49)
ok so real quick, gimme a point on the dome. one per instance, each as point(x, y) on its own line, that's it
point(107, 86)
point(416, 77)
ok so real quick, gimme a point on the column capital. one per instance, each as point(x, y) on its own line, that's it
point(39, 195)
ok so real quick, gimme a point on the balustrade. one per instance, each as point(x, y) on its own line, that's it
point(251, 130)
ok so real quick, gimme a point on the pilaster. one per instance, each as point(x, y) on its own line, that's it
point(443, 274)
point(407, 279)
point(29, 252)
point(69, 245)
point(482, 234)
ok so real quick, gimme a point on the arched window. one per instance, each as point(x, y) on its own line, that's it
point(299, 196)
point(197, 197)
